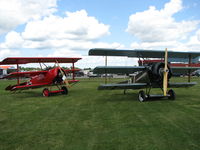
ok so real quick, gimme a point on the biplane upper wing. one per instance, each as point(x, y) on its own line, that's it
point(117, 69)
point(25, 60)
point(140, 53)
point(24, 74)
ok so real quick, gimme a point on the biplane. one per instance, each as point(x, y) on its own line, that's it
point(57, 76)
point(156, 74)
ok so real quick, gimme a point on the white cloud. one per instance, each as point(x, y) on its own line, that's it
point(7, 52)
point(69, 36)
point(74, 26)
point(75, 31)
point(194, 42)
point(16, 12)
point(155, 25)
point(13, 40)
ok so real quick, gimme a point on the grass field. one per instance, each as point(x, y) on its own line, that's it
point(88, 119)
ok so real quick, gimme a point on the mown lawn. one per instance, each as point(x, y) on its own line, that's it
point(88, 119)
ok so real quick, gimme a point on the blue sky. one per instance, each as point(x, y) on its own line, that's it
point(70, 28)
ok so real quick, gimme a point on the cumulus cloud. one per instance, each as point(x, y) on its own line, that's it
point(74, 26)
point(154, 25)
point(75, 31)
point(7, 52)
point(194, 42)
point(13, 40)
point(69, 36)
point(16, 12)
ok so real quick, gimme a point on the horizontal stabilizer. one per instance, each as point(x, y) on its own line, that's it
point(122, 86)
point(183, 84)
point(117, 69)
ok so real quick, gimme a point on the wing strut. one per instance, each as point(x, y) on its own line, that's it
point(189, 71)
point(18, 76)
point(106, 64)
point(73, 72)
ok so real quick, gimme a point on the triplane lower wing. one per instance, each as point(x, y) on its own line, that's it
point(147, 76)
point(48, 78)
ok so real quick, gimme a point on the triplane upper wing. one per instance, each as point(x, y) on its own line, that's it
point(26, 60)
point(154, 75)
point(140, 53)
point(50, 77)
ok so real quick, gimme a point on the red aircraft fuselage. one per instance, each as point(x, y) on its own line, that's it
point(41, 78)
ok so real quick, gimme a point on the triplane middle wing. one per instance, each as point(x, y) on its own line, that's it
point(153, 75)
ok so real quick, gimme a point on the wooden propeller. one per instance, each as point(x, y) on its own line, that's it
point(165, 74)
point(64, 75)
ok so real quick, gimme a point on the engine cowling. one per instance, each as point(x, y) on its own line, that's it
point(156, 72)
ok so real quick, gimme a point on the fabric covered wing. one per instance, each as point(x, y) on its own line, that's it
point(143, 53)
point(24, 74)
point(72, 70)
point(25, 60)
point(183, 70)
point(122, 86)
point(110, 52)
point(179, 84)
point(117, 69)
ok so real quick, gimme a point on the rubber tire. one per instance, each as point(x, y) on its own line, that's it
point(46, 92)
point(172, 94)
point(65, 90)
point(141, 96)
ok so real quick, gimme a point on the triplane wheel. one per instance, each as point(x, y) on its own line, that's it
point(172, 94)
point(65, 90)
point(46, 92)
point(141, 96)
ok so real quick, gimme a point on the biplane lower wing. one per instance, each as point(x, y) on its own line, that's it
point(135, 86)
point(117, 69)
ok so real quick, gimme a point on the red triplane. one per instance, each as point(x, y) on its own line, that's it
point(44, 78)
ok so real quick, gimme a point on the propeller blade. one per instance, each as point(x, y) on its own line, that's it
point(64, 76)
point(165, 75)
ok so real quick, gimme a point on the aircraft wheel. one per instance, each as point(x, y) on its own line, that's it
point(172, 94)
point(46, 92)
point(65, 90)
point(141, 96)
